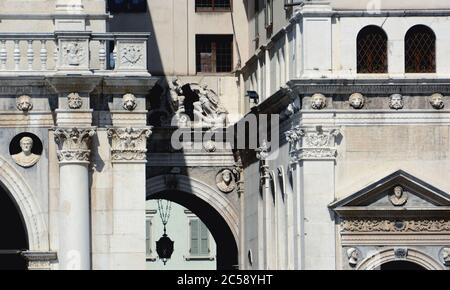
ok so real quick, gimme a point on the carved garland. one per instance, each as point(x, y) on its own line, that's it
point(129, 144)
point(382, 225)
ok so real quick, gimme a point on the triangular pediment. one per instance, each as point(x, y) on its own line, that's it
point(398, 194)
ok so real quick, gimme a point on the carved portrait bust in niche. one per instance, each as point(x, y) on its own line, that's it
point(26, 158)
point(225, 181)
point(398, 197)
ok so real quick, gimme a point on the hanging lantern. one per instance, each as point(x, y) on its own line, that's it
point(164, 247)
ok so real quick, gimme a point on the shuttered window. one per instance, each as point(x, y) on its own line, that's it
point(199, 238)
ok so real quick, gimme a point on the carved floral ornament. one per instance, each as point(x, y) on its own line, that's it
point(129, 144)
point(73, 144)
point(393, 226)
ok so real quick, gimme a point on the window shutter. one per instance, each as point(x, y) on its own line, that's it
point(204, 244)
point(195, 237)
point(148, 245)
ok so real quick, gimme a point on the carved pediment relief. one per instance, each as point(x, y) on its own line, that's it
point(399, 194)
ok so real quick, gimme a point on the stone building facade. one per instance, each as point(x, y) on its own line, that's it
point(100, 112)
point(362, 90)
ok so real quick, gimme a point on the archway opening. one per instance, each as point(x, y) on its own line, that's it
point(401, 265)
point(225, 245)
point(14, 237)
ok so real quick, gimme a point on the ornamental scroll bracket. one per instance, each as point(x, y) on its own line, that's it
point(312, 143)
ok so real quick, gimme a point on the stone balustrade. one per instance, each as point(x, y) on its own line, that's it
point(68, 53)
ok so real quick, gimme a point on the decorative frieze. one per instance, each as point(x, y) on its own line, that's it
point(129, 144)
point(317, 143)
point(73, 144)
point(394, 226)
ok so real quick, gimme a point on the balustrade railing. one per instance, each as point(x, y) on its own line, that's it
point(73, 53)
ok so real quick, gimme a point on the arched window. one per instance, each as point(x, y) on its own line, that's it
point(372, 50)
point(420, 50)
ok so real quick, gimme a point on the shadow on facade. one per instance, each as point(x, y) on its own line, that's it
point(14, 235)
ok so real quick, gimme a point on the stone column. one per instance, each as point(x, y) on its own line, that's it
point(74, 200)
point(294, 137)
point(315, 182)
point(128, 156)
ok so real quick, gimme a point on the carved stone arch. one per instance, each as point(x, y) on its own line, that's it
point(33, 216)
point(202, 191)
point(388, 255)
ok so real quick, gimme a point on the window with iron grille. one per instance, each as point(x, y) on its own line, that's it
point(420, 50)
point(213, 5)
point(372, 50)
point(214, 53)
point(127, 6)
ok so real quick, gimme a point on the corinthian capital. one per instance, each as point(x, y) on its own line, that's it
point(129, 144)
point(74, 144)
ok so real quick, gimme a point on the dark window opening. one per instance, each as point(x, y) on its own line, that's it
point(127, 6)
point(212, 5)
point(420, 50)
point(214, 53)
point(401, 266)
point(372, 50)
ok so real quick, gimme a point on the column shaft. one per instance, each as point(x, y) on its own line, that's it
point(74, 223)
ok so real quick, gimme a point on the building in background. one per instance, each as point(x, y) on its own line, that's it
point(194, 246)
point(362, 92)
